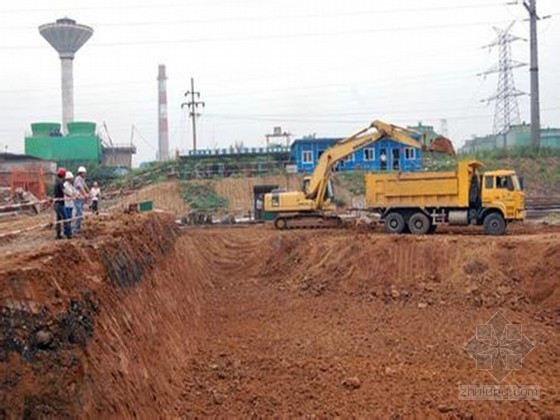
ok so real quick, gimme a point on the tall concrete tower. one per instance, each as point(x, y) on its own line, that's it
point(66, 37)
point(163, 132)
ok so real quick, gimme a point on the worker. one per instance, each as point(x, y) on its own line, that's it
point(70, 195)
point(259, 207)
point(59, 202)
point(94, 194)
point(83, 192)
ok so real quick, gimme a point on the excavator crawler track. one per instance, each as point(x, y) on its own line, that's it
point(308, 222)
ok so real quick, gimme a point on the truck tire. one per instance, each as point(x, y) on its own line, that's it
point(394, 223)
point(494, 224)
point(280, 223)
point(419, 224)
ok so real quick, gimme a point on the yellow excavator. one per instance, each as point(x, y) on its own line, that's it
point(313, 206)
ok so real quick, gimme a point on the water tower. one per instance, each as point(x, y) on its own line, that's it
point(66, 37)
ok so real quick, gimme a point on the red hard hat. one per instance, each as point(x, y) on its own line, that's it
point(61, 172)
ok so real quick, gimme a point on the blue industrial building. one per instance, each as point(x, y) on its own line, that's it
point(384, 155)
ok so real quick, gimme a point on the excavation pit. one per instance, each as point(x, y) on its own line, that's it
point(143, 319)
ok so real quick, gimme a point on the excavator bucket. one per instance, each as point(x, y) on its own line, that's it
point(443, 145)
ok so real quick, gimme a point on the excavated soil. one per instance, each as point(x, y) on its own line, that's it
point(140, 319)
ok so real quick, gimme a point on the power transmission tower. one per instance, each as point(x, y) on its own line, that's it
point(193, 104)
point(506, 111)
point(531, 6)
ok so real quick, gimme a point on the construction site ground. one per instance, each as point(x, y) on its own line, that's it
point(140, 318)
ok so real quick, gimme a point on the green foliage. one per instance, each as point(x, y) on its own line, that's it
point(539, 168)
point(203, 196)
point(438, 162)
point(154, 173)
point(513, 153)
point(353, 182)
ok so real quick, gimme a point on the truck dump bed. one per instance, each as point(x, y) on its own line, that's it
point(420, 189)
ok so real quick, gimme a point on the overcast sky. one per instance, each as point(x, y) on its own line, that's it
point(309, 66)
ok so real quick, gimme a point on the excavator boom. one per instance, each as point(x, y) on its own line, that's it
point(343, 148)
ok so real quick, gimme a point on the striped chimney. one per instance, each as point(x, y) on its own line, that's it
point(163, 126)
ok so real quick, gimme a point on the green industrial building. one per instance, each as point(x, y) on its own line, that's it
point(81, 146)
point(518, 136)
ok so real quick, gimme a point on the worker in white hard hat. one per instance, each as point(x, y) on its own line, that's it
point(94, 195)
point(70, 195)
point(83, 193)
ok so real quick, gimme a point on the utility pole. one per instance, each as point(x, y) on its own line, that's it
point(193, 104)
point(531, 6)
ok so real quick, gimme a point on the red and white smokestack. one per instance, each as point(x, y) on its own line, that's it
point(163, 133)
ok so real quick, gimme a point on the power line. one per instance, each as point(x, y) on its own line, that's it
point(283, 17)
point(157, 5)
point(320, 90)
point(135, 130)
point(269, 36)
point(284, 118)
point(184, 5)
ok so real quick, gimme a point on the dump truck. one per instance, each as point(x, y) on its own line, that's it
point(417, 202)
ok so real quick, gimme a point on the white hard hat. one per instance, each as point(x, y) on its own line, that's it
point(69, 175)
point(82, 169)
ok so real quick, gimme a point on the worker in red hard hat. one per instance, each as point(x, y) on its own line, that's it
point(59, 201)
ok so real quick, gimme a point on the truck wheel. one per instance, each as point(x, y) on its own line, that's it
point(394, 223)
point(280, 223)
point(419, 224)
point(494, 224)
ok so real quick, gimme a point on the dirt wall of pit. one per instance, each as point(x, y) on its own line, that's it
point(97, 328)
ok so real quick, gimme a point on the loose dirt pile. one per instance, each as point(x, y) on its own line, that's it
point(245, 322)
point(165, 196)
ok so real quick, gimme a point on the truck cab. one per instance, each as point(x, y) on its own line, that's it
point(502, 190)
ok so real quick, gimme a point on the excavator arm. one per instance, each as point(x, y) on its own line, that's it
point(315, 188)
